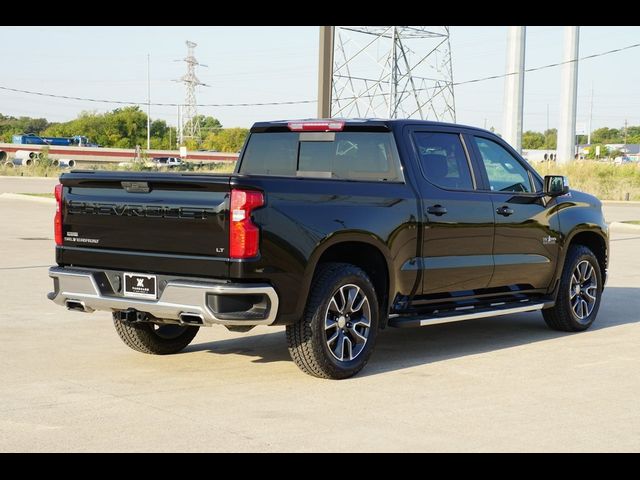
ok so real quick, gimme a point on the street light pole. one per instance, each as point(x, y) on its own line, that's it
point(148, 103)
point(590, 116)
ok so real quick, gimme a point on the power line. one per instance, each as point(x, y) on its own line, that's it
point(550, 65)
point(122, 102)
point(298, 102)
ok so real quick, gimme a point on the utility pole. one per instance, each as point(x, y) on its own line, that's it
point(179, 127)
point(325, 72)
point(625, 132)
point(547, 116)
point(514, 87)
point(590, 116)
point(148, 102)
point(568, 96)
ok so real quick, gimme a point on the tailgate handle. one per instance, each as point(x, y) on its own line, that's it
point(136, 187)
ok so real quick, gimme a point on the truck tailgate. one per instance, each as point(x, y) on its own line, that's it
point(164, 223)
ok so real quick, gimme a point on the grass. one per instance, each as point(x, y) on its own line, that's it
point(39, 170)
point(46, 169)
point(632, 222)
point(604, 180)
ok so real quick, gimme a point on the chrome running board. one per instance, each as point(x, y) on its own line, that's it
point(447, 317)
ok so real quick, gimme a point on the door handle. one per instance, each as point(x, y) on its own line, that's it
point(505, 211)
point(437, 210)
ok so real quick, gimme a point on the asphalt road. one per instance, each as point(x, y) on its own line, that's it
point(67, 383)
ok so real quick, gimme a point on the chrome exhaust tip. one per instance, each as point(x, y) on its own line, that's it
point(191, 319)
point(77, 306)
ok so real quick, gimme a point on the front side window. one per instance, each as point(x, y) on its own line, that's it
point(505, 172)
point(443, 160)
point(368, 156)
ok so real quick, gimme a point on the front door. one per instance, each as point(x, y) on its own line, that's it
point(527, 227)
point(459, 221)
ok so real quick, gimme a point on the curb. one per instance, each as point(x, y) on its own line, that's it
point(28, 198)
point(624, 227)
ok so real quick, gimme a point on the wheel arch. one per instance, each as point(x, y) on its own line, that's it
point(592, 236)
point(364, 251)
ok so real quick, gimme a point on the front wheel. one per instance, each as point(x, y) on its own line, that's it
point(153, 338)
point(338, 332)
point(580, 292)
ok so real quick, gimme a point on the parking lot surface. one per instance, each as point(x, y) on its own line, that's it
point(67, 383)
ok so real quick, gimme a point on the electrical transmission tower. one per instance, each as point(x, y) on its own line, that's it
point(188, 122)
point(393, 72)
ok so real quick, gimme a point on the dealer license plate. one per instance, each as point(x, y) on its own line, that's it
point(137, 285)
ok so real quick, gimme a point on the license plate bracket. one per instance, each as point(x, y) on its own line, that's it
point(140, 285)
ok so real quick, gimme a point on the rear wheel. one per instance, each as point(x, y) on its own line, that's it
point(153, 338)
point(338, 332)
point(580, 292)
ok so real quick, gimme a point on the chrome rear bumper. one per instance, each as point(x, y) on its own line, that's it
point(78, 289)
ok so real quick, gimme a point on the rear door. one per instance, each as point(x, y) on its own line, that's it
point(457, 236)
point(527, 225)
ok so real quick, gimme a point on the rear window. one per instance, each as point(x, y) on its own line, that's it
point(368, 156)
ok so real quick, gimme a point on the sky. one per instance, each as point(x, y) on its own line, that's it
point(272, 64)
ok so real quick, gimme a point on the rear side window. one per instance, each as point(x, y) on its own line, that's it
point(443, 160)
point(367, 156)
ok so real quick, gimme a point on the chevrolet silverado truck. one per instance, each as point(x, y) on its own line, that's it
point(335, 229)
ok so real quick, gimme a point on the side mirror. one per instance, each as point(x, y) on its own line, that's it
point(556, 185)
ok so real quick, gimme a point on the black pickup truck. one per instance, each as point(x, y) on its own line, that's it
point(336, 229)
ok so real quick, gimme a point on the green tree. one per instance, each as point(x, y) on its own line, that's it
point(550, 139)
point(10, 126)
point(126, 127)
point(532, 140)
point(122, 128)
point(606, 135)
point(633, 134)
point(226, 140)
point(208, 125)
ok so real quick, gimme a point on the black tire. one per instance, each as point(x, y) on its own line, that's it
point(153, 338)
point(308, 339)
point(562, 316)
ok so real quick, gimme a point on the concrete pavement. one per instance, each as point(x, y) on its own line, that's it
point(67, 383)
point(27, 184)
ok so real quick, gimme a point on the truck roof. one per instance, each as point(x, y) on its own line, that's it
point(355, 124)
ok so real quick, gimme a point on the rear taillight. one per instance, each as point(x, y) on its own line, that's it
point(244, 236)
point(57, 220)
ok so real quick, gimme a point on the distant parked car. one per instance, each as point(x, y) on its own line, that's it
point(622, 160)
point(168, 162)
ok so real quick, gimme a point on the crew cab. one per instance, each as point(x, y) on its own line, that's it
point(336, 229)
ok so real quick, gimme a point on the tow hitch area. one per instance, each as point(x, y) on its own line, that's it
point(132, 315)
